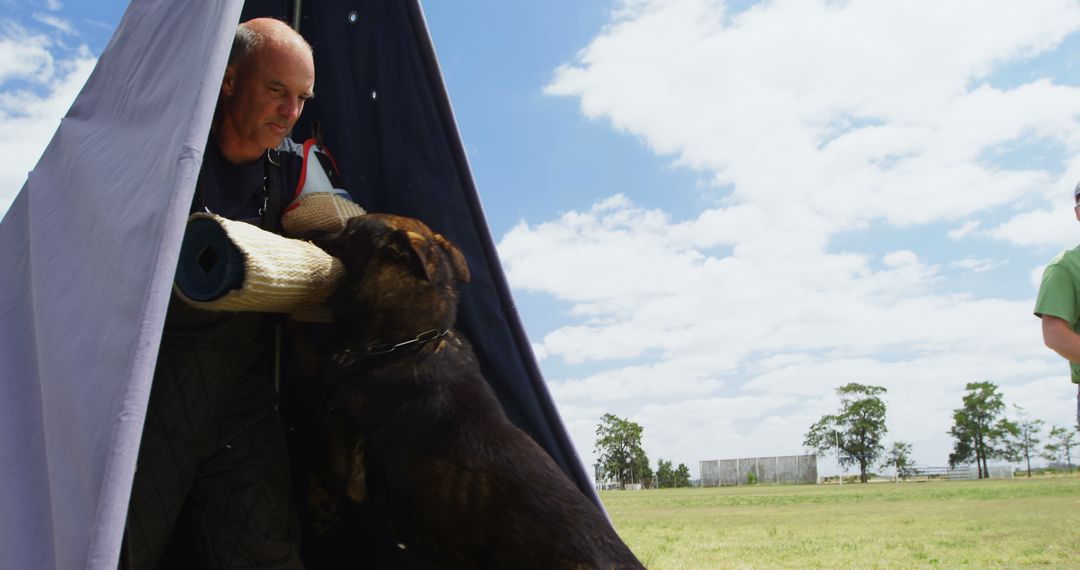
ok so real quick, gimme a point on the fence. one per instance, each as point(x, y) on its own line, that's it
point(762, 470)
point(962, 472)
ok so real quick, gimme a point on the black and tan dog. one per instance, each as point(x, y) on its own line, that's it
point(413, 428)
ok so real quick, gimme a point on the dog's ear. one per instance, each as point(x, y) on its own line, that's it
point(412, 247)
point(457, 260)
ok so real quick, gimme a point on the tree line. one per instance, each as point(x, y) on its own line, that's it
point(980, 431)
point(621, 458)
point(856, 434)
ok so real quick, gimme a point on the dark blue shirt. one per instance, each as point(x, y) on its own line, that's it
point(235, 191)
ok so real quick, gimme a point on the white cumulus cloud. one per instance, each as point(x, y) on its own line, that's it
point(726, 333)
point(56, 23)
point(978, 265)
point(858, 110)
point(49, 78)
point(964, 230)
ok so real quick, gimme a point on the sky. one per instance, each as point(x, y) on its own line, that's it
point(712, 214)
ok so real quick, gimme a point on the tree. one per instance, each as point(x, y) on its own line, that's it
point(640, 471)
point(667, 477)
point(665, 474)
point(618, 449)
point(899, 457)
point(1025, 441)
point(978, 430)
point(856, 431)
point(682, 476)
point(1062, 440)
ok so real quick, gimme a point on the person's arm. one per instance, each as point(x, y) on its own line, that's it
point(1059, 336)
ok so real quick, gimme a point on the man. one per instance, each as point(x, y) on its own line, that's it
point(1058, 304)
point(212, 486)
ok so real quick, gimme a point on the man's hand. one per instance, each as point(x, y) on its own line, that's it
point(1059, 336)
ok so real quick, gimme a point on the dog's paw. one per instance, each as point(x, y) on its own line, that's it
point(323, 508)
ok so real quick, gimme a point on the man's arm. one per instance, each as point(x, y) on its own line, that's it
point(1059, 336)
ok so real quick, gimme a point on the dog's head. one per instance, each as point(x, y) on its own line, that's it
point(400, 277)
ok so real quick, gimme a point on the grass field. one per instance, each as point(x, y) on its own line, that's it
point(1017, 523)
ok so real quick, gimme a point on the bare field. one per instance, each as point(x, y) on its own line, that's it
point(1017, 523)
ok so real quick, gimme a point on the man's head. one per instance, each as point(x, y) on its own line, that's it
point(270, 75)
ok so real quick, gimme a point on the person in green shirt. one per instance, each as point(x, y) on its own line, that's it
point(1058, 305)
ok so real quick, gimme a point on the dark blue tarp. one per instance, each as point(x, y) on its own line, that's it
point(89, 247)
point(384, 107)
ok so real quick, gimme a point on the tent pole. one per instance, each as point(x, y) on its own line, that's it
point(296, 15)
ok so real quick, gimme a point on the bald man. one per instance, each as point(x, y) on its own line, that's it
point(212, 486)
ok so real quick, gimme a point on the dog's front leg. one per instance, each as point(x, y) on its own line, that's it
point(345, 456)
point(355, 478)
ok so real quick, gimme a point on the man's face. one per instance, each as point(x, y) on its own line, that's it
point(263, 95)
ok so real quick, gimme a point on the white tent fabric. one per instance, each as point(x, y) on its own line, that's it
point(91, 243)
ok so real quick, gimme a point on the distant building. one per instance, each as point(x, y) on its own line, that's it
point(995, 472)
point(788, 469)
point(962, 472)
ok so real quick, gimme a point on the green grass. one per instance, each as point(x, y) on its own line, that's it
point(1018, 523)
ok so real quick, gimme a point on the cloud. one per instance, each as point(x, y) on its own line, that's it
point(858, 111)
point(1055, 227)
point(53, 5)
point(48, 78)
point(726, 333)
point(794, 322)
point(900, 258)
point(964, 230)
point(24, 55)
point(59, 24)
point(978, 265)
point(1035, 277)
point(1041, 398)
point(642, 286)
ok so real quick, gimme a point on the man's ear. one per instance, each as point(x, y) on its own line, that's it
point(228, 82)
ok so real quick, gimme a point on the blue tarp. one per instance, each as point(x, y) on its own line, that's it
point(89, 247)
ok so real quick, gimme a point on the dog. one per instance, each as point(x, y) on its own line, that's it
point(411, 427)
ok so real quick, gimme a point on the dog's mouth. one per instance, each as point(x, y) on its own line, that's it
point(325, 239)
